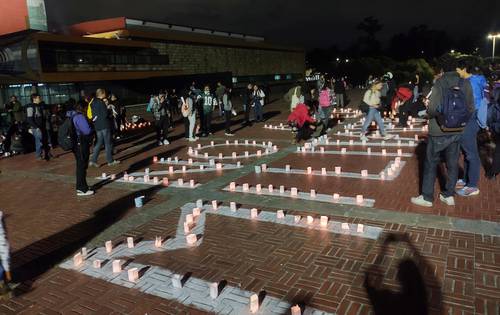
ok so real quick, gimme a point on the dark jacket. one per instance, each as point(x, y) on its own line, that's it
point(100, 115)
point(247, 96)
point(34, 116)
point(447, 81)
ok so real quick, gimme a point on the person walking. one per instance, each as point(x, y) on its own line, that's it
point(37, 123)
point(468, 186)
point(81, 149)
point(372, 99)
point(99, 115)
point(258, 102)
point(443, 140)
point(228, 109)
point(208, 102)
point(160, 114)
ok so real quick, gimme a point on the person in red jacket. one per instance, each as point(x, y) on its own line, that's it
point(301, 119)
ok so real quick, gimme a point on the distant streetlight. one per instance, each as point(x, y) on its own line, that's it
point(347, 60)
point(338, 59)
point(494, 38)
point(452, 51)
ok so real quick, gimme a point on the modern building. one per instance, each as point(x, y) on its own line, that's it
point(134, 58)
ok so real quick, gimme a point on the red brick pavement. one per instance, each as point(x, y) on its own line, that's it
point(390, 195)
point(323, 270)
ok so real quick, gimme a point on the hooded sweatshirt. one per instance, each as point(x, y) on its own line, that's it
point(81, 124)
point(447, 81)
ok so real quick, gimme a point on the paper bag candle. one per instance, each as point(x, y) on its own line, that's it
point(359, 199)
point(180, 182)
point(295, 310)
point(202, 167)
point(246, 154)
point(232, 186)
point(214, 290)
point(343, 150)
point(158, 241)
point(258, 188)
point(234, 155)
point(170, 169)
point(130, 178)
point(313, 193)
point(78, 260)
point(117, 266)
point(246, 187)
point(192, 183)
point(400, 152)
point(254, 303)
point(270, 188)
point(133, 274)
point(280, 214)
point(227, 142)
point(165, 181)
point(293, 192)
point(323, 171)
point(103, 176)
point(384, 152)
point(360, 228)
point(211, 143)
point(338, 170)
point(369, 151)
point(254, 213)
point(205, 155)
point(109, 246)
point(345, 226)
point(309, 170)
point(176, 281)
point(282, 189)
point(214, 204)
point(130, 242)
point(97, 264)
point(199, 203)
point(336, 197)
point(155, 180)
point(84, 252)
point(364, 173)
point(232, 205)
point(287, 168)
point(191, 239)
point(322, 150)
point(259, 153)
point(296, 219)
point(310, 219)
point(113, 176)
point(155, 159)
point(323, 221)
point(184, 168)
point(196, 212)
point(189, 219)
point(264, 167)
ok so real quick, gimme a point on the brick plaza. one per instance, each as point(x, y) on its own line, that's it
point(324, 269)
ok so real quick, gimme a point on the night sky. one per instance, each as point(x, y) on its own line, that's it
point(308, 24)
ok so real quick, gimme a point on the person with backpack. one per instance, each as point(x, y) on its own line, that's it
point(37, 123)
point(258, 102)
point(325, 106)
point(98, 112)
point(372, 99)
point(79, 134)
point(450, 106)
point(161, 117)
point(472, 162)
point(294, 96)
point(208, 102)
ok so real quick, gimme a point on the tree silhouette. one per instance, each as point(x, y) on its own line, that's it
point(368, 43)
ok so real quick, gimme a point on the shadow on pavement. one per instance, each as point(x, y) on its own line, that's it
point(420, 292)
point(35, 259)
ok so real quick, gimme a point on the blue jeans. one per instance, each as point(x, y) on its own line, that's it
point(258, 111)
point(373, 114)
point(450, 145)
point(38, 134)
point(325, 113)
point(103, 138)
point(472, 161)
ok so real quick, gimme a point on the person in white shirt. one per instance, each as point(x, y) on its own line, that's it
point(372, 99)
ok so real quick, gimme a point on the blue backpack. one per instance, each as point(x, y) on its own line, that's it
point(454, 114)
point(494, 118)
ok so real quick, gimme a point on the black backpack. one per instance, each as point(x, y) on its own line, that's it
point(66, 135)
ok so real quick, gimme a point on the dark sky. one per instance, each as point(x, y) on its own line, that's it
point(305, 23)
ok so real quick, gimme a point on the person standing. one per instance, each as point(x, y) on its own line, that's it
point(219, 92)
point(372, 99)
point(99, 115)
point(189, 109)
point(442, 140)
point(37, 123)
point(258, 102)
point(339, 90)
point(208, 102)
point(468, 186)
point(294, 96)
point(325, 106)
point(15, 109)
point(81, 150)
point(228, 108)
point(247, 97)
point(494, 127)
point(160, 114)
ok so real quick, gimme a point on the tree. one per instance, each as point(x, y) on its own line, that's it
point(369, 45)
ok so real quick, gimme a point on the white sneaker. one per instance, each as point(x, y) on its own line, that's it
point(160, 142)
point(450, 201)
point(87, 193)
point(387, 137)
point(363, 138)
point(420, 201)
point(165, 142)
point(192, 139)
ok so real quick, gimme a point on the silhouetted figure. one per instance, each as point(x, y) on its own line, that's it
point(415, 297)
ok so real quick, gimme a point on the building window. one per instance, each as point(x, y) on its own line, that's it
point(277, 77)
